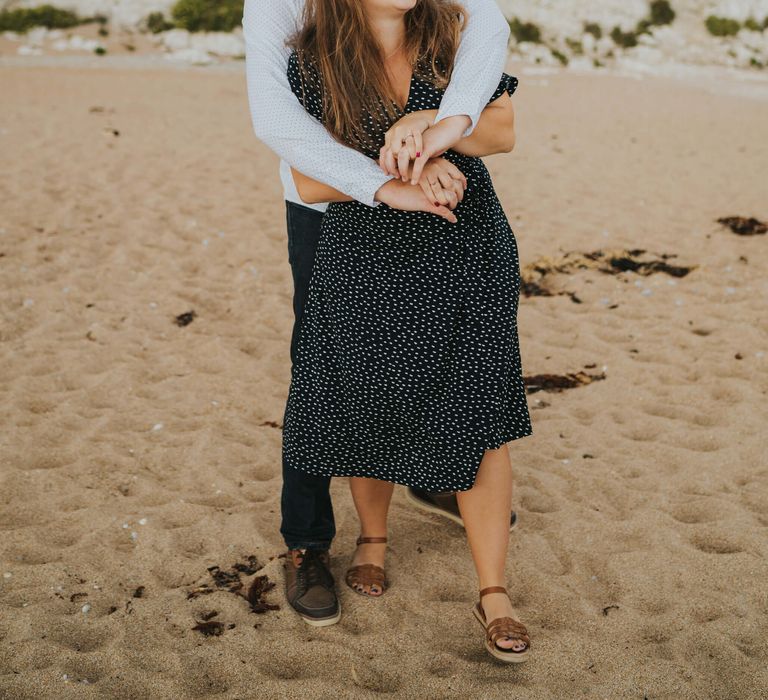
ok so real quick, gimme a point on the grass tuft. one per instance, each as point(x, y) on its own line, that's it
point(524, 31)
point(23, 19)
point(722, 26)
point(208, 15)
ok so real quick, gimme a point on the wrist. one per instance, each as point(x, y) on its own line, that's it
point(385, 192)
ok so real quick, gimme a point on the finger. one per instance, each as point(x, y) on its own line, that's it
point(453, 171)
point(418, 167)
point(403, 161)
point(388, 138)
point(382, 159)
point(426, 188)
point(441, 195)
point(418, 142)
point(398, 140)
point(430, 191)
point(459, 190)
point(445, 179)
point(410, 143)
point(389, 162)
point(445, 213)
point(453, 200)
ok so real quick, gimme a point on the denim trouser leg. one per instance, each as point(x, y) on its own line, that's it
point(306, 506)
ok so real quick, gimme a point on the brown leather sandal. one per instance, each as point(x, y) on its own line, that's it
point(367, 574)
point(500, 628)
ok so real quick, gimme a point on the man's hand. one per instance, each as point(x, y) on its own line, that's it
point(443, 183)
point(437, 140)
point(403, 142)
point(407, 197)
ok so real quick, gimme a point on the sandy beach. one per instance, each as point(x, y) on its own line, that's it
point(137, 453)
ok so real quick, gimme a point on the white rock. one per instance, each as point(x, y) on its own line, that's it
point(26, 50)
point(218, 43)
point(175, 39)
point(190, 55)
point(36, 35)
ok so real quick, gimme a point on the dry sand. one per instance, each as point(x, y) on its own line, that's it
point(640, 569)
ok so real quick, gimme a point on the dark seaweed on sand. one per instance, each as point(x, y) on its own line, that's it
point(229, 580)
point(744, 226)
point(559, 382)
point(185, 319)
point(259, 586)
point(210, 629)
point(609, 262)
point(249, 567)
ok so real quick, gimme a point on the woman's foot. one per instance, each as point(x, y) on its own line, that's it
point(366, 573)
point(496, 605)
point(506, 638)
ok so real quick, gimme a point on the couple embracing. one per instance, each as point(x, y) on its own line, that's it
point(405, 356)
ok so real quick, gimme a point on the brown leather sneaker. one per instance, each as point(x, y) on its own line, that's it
point(443, 504)
point(310, 588)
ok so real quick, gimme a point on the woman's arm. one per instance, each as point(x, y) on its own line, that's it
point(277, 117)
point(316, 192)
point(494, 133)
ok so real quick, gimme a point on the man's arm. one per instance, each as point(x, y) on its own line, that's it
point(278, 118)
point(479, 62)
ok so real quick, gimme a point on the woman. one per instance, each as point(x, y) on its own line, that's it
point(408, 365)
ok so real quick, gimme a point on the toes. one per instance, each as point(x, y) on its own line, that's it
point(512, 644)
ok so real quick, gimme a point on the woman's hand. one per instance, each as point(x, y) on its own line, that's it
point(402, 195)
point(443, 183)
point(437, 140)
point(403, 142)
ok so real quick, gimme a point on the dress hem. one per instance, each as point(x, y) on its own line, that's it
point(443, 487)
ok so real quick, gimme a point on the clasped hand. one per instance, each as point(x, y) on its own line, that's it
point(411, 153)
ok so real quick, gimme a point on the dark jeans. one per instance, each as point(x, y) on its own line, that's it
point(306, 500)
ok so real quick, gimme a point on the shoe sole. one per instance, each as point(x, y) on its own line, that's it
point(428, 508)
point(322, 621)
point(509, 657)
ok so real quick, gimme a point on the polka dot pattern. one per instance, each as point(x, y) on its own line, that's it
point(408, 365)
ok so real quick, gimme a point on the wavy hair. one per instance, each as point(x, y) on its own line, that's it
point(336, 41)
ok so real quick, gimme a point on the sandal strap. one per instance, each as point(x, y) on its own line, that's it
point(507, 627)
point(371, 540)
point(493, 589)
point(367, 575)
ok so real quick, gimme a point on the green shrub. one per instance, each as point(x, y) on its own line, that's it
point(208, 15)
point(594, 29)
point(722, 26)
point(753, 25)
point(99, 51)
point(156, 22)
point(524, 31)
point(624, 39)
point(575, 46)
point(23, 19)
point(560, 56)
point(661, 12)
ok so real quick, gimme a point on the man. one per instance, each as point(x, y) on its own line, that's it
point(303, 143)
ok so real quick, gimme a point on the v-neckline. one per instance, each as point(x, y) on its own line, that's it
point(404, 108)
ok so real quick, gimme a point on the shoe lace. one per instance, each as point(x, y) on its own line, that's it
point(313, 571)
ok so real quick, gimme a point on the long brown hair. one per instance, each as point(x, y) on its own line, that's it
point(337, 40)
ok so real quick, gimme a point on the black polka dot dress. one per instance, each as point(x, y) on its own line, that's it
point(408, 365)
